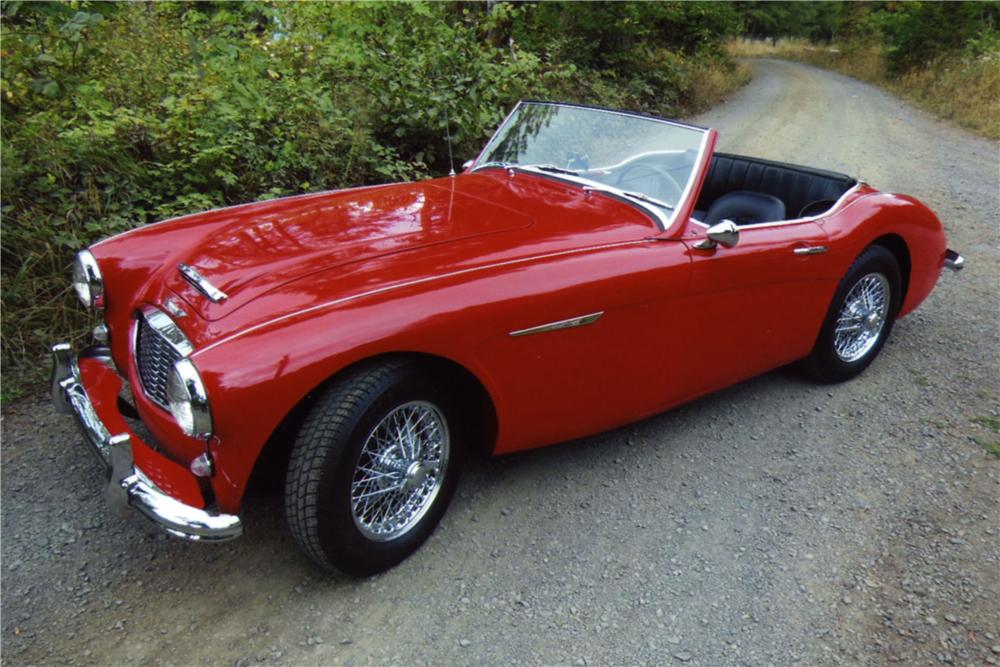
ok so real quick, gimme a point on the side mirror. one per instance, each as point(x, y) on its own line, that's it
point(725, 233)
point(467, 164)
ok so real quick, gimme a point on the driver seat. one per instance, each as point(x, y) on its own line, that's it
point(745, 208)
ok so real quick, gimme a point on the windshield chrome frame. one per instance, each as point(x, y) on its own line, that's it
point(663, 218)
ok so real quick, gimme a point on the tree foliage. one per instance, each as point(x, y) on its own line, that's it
point(912, 34)
point(818, 21)
point(118, 114)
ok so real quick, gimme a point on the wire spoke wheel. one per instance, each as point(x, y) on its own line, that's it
point(374, 465)
point(400, 470)
point(862, 317)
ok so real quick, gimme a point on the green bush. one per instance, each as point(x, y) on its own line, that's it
point(910, 34)
point(919, 33)
point(115, 114)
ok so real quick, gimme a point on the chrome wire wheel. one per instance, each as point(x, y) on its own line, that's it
point(400, 470)
point(862, 317)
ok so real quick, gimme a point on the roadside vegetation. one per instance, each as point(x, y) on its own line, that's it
point(120, 114)
point(943, 57)
point(991, 443)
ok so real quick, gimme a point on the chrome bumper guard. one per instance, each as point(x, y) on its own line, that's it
point(127, 485)
point(953, 260)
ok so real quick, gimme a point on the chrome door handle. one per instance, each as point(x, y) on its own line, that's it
point(811, 250)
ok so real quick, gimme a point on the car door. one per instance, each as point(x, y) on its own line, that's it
point(588, 342)
point(759, 304)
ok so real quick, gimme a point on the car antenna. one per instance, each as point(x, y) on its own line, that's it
point(447, 134)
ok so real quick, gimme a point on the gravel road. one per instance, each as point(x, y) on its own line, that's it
point(777, 522)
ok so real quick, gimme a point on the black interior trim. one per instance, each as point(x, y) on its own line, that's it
point(796, 186)
point(816, 207)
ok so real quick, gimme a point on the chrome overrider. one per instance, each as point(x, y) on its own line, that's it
point(953, 261)
point(127, 485)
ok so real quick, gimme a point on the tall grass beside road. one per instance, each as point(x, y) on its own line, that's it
point(963, 89)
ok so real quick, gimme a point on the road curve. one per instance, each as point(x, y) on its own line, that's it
point(775, 522)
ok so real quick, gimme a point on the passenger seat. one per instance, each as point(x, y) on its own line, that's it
point(745, 208)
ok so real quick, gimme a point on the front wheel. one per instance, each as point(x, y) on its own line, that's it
point(373, 468)
point(860, 317)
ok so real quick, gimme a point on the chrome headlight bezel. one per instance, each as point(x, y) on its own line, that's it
point(188, 401)
point(87, 280)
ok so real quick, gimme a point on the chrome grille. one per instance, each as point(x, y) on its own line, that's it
point(155, 358)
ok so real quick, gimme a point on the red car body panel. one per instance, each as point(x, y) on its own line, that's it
point(169, 476)
point(450, 267)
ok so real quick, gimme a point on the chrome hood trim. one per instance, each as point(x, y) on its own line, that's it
point(201, 283)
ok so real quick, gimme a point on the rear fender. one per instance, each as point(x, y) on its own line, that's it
point(884, 215)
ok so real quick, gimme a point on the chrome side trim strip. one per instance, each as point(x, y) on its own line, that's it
point(201, 283)
point(561, 324)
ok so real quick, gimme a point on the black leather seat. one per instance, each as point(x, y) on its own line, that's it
point(746, 208)
point(795, 185)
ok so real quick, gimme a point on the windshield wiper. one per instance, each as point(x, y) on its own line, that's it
point(502, 165)
point(647, 199)
point(552, 168)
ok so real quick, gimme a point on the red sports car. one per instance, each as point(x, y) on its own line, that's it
point(590, 268)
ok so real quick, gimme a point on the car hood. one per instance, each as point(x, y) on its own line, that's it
point(250, 250)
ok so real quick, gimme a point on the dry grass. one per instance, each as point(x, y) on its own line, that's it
point(966, 92)
point(715, 81)
point(755, 48)
point(52, 308)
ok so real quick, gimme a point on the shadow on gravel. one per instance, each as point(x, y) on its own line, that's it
point(673, 424)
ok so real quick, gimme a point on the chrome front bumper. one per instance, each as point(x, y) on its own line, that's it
point(953, 261)
point(128, 486)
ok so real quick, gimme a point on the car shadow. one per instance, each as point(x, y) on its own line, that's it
point(491, 482)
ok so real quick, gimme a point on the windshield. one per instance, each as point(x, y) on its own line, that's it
point(647, 160)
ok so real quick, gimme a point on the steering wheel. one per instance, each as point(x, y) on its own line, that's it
point(663, 178)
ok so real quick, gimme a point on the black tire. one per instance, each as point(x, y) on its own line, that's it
point(825, 364)
point(327, 450)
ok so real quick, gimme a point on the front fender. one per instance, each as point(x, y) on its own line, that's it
point(256, 380)
point(257, 376)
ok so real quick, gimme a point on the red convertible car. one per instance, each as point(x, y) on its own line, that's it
point(590, 268)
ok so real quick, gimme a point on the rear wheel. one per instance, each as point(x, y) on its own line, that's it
point(860, 317)
point(373, 468)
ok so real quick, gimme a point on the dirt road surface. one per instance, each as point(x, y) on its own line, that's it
point(778, 522)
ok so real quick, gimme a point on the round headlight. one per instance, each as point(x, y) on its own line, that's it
point(87, 281)
point(188, 401)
